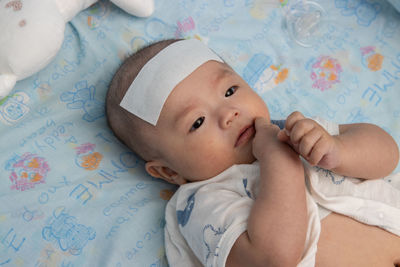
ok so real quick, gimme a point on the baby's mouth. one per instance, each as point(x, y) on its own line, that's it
point(245, 135)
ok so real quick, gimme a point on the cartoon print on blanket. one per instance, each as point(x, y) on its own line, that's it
point(87, 158)
point(83, 97)
point(366, 12)
point(262, 75)
point(14, 107)
point(64, 230)
point(371, 58)
point(27, 171)
point(325, 72)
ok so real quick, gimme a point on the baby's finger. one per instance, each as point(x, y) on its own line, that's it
point(292, 119)
point(300, 129)
point(319, 150)
point(283, 136)
point(308, 142)
point(260, 122)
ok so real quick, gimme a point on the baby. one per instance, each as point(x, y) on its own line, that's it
point(251, 194)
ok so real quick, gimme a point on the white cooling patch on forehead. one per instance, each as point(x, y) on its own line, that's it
point(159, 76)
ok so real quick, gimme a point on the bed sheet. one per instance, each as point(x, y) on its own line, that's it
point(73, 195)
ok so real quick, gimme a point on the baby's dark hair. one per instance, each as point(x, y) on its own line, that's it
point(128, 128)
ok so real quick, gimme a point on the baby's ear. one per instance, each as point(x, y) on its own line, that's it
point(158, 170)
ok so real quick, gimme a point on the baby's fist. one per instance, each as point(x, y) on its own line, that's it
point(310, 140)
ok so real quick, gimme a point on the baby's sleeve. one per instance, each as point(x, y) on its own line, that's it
point(331, 127)
point(211, 221)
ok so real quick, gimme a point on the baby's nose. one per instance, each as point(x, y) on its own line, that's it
point(228, 115)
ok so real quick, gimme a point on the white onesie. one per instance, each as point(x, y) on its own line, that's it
point(204, 219)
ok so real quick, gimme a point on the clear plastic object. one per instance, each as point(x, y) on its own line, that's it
point(303, 21)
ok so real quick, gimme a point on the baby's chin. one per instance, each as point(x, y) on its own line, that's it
point(245, 155)
point(246, 158)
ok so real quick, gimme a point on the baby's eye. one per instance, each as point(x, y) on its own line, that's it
point(230, 91)
point(197, 124)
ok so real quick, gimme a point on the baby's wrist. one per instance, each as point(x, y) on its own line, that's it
point(333, 159)
point(282, 155)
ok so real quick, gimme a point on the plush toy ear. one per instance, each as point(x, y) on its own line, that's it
point(140, 8)
point(69, 9)
point(7, 82)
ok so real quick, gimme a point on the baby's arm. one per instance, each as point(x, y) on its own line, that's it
point(360, 150)
point(277, 223)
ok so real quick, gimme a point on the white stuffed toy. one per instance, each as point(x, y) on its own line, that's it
point(32, 32)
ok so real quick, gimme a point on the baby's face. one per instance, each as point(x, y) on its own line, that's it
point(207, 122)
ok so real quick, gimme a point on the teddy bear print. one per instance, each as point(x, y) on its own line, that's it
point(65, 231)
point(365, 12)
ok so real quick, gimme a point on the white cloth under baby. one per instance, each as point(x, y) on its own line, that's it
point(204, 219)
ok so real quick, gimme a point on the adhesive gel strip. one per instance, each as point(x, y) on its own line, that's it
point(159, 76)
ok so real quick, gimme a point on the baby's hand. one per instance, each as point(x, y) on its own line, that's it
point(266, 143)
point(311, 141)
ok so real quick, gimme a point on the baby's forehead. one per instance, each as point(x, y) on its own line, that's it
point(223, 70)
point(214, 71)
point(210, 75)
point(207, 78)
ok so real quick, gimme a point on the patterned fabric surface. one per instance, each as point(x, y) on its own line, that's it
point(72, 195)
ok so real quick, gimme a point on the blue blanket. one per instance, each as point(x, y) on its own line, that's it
point(73, 195)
